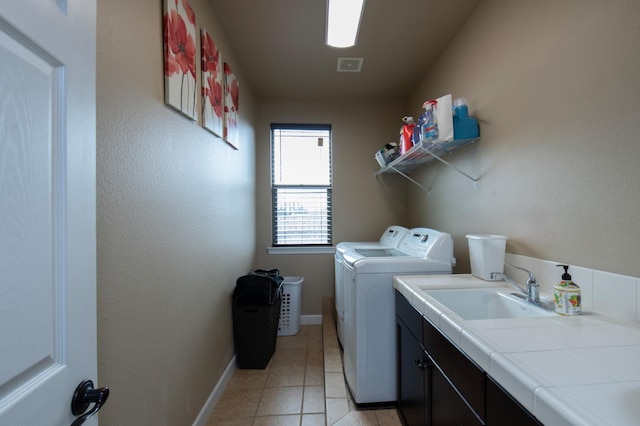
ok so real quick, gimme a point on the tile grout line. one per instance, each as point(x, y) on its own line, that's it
point(329, 321)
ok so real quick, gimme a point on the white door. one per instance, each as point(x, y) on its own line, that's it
point(47, 208)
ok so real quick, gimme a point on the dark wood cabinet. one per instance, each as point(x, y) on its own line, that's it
point(439, 385)
point(503, 410)
point(427, 363)
point(412, 378)
point(463, 374)
point(448, 406)
point(413, 365)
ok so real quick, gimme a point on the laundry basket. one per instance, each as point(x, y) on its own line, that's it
point(290, 306)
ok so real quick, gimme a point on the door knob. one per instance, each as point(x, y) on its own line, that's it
point(84, 396)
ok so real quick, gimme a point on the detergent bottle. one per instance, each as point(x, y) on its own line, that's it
point(406, 134)
point(464, 127)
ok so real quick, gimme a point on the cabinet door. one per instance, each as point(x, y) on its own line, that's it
point(503, 410)
point(462, 372)
point(411, 318)
point(447, 406)
point(412, 375)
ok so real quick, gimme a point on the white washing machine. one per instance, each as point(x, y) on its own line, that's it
point(390, 238)
point(369, 340)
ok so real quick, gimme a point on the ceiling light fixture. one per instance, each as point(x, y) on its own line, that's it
point(343, 20)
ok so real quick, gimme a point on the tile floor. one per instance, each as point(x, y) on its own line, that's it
point(303, 385)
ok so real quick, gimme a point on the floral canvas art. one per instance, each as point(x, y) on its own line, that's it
point(212, 85)
point(231, 101)
point(180, 57)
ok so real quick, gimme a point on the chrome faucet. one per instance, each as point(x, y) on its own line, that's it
point(531, 292)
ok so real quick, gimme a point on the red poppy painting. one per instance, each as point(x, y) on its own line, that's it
point(212, 85)
point(231, 106)
point(180, 90)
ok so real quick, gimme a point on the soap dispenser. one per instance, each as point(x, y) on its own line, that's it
point(566, 295)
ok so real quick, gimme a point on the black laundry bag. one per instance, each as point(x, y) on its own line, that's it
point(260, 287)
point(256, 314)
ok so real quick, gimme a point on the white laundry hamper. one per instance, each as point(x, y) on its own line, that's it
point(290, 306)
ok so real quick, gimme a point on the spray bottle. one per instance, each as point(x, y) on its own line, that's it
point(427, 122)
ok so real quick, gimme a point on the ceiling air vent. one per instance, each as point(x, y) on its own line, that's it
point(350, 64)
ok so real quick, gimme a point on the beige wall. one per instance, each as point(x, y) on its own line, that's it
point(362, 205)
point(176, 226)
point(555, 85)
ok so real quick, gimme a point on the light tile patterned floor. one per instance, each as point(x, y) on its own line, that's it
point(303, 385)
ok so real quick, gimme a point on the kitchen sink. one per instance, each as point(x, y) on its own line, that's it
point(487, 303)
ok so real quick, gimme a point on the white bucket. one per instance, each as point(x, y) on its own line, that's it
point(486, 253)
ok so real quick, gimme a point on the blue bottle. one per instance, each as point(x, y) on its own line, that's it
point(464, 127)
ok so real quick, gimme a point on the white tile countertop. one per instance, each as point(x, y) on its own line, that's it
point(566, 370)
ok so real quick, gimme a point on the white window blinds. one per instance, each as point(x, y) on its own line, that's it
point(301, 184)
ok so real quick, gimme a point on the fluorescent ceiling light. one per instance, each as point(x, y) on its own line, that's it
point(343, 20)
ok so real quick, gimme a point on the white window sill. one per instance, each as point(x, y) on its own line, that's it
point(301, 250)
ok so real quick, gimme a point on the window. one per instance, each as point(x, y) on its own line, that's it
point(301, 184)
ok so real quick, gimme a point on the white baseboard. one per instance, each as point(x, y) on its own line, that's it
point(311, 319)
point(213, 399)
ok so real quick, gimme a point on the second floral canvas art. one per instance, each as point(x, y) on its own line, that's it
point(212, 90)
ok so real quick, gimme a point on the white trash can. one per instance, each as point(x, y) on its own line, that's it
point(486, 253)
point(290, 306)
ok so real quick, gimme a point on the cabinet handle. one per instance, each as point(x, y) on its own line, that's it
point(422, 363)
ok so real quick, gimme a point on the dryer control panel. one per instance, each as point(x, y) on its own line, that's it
point(429, 244)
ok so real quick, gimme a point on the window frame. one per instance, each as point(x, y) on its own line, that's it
point(301, 247)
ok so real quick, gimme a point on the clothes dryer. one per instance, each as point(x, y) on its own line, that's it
point(390, 238)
